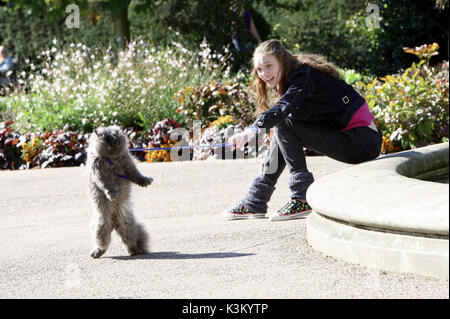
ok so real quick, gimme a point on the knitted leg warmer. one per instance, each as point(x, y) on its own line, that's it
point(299, 182)
point(259, 194)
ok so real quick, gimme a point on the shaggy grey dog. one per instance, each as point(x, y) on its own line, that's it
point(111, 171)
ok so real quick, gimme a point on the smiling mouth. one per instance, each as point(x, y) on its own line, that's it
point(269, 80)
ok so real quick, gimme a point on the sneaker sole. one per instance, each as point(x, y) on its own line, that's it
point(288, 217)
point(230, 216)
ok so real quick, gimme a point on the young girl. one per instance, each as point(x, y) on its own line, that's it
point(315, 109)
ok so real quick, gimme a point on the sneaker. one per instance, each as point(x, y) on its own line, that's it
point(240, 212)
point(293, 209)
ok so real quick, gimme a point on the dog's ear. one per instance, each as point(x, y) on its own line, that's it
point(98, 130)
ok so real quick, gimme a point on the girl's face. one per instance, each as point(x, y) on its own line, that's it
point(268, 69)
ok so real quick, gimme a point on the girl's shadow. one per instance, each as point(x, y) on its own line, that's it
point(176, 255)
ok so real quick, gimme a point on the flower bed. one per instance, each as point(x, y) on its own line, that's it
point(49, 149)
point(61, 148)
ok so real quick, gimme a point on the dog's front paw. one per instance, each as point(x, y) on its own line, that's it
point(145, 181)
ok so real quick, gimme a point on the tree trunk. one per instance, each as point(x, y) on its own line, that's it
point(122, 26)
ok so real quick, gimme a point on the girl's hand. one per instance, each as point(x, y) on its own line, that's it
point(240, 139)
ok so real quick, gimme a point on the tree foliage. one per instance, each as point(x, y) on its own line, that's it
point(337, 29)
point(340, 30)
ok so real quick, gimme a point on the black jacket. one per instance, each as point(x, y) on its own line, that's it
point(314, 96)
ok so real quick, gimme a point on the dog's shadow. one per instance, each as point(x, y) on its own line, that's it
point(176, 255)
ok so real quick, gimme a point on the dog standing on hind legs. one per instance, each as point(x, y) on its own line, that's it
point(111, 172)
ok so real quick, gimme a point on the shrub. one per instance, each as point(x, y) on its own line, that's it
point(10, 155)
point(224, 121)
point(61, 149)
point(208, 102)
point(351, 76)
point(31, 150)
point(159, 137)
point(26, 33)
point(339, 30)
point(195, 20)
point(411, 108)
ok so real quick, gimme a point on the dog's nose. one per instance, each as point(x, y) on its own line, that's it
point(110, 140)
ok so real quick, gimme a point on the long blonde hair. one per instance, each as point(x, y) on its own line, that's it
point(289, 62)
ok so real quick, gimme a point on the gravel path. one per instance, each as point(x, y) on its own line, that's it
point(195, 253)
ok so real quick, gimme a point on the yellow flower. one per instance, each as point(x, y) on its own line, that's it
point(223, 120)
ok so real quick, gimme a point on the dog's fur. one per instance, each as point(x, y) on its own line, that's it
point(107, 155)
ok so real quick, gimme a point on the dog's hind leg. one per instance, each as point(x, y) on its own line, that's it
point(133, 234)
